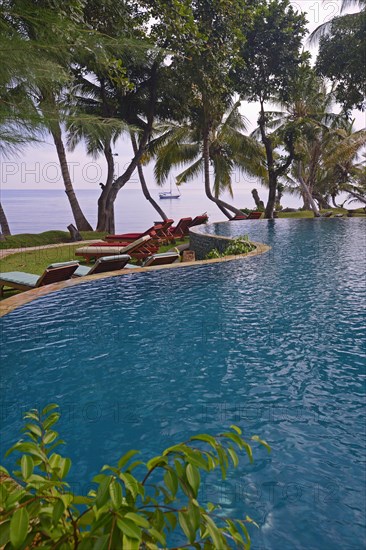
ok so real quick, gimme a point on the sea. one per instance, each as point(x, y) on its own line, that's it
point(38, 210)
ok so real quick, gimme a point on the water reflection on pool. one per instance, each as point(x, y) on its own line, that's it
point(274, 343)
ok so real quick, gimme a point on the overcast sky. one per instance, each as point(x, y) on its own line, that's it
point(38, 168)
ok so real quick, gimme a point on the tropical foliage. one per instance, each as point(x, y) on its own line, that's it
point(228, 148)
point(342, 59)
point(132, 505)
point(167, 76)
point(239, 245)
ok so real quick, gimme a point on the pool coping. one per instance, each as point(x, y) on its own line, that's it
point(14, 302)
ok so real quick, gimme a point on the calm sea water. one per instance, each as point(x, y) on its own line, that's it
point(34, 211)
point(275, 344)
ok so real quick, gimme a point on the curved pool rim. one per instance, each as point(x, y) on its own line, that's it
point(288, 366)
point(14, 302)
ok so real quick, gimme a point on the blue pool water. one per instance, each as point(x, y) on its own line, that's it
point(274, 343)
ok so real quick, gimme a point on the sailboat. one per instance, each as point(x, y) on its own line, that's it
point(169, 194)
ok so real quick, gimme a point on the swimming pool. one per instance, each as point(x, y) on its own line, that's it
point(274, 343)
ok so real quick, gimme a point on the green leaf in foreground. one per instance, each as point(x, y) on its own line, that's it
point(27, 466)
point(119, 510)
point(19, 527)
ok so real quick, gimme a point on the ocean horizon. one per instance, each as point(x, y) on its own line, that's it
point(38, 210)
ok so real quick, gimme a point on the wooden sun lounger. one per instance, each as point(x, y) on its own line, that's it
point(181, 229)
point(156, 231)
point(139, 249)
point(54, 273)
point(103, 265)
point(158, 259)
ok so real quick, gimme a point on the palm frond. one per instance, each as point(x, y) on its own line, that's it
point(348, 149)
point(223, 168)
point(191, 172)
point(171, 155)
point(234, 120)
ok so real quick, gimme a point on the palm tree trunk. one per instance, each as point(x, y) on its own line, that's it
point(271, 202)
point(116, 187)
point(206, 164)
point(306, 192)
point(5, 229)
point(305, 199)
point(144, 187)
point(106, 219)
point(125, 177)
point(258, 203)
point(222, 205)
point(272, 177)
point(80, 220)
point(274, 170)
point(322, 201)
point(333, 197)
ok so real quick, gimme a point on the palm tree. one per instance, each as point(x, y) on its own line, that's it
point(51, 105)
point(308, 117)
point(45, 88)
point(94, 100)
point(355, 187)
point(209, 141)
point(97, 98)
point(342, 169)
point(144, 186)
point(328, 164)
point(108, 89)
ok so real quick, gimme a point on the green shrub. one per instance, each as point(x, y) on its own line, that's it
point(214, 253)
point(131, 511)
point(239, 245)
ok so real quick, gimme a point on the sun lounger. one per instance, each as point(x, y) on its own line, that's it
point(103, 265)
point(157, 230)
point(158, 259)
point(54, 273)
point(254, 215)
point(250, 216)
point(139, 249)
point(181, 229)
point(239, 217)
point(199, 220)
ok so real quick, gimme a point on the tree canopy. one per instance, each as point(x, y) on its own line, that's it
point(98, 69)
point(342, 59)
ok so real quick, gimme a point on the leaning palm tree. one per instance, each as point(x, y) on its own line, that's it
point(144, 186)
point(94, 100)
point(330, 164)
point(221, 145)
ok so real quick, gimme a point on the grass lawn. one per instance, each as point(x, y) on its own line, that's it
point(310, 214)
point(25, 240)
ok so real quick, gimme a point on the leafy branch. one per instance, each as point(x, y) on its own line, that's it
point(38, 508)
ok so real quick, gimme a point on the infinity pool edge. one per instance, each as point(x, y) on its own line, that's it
point(14, 302)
